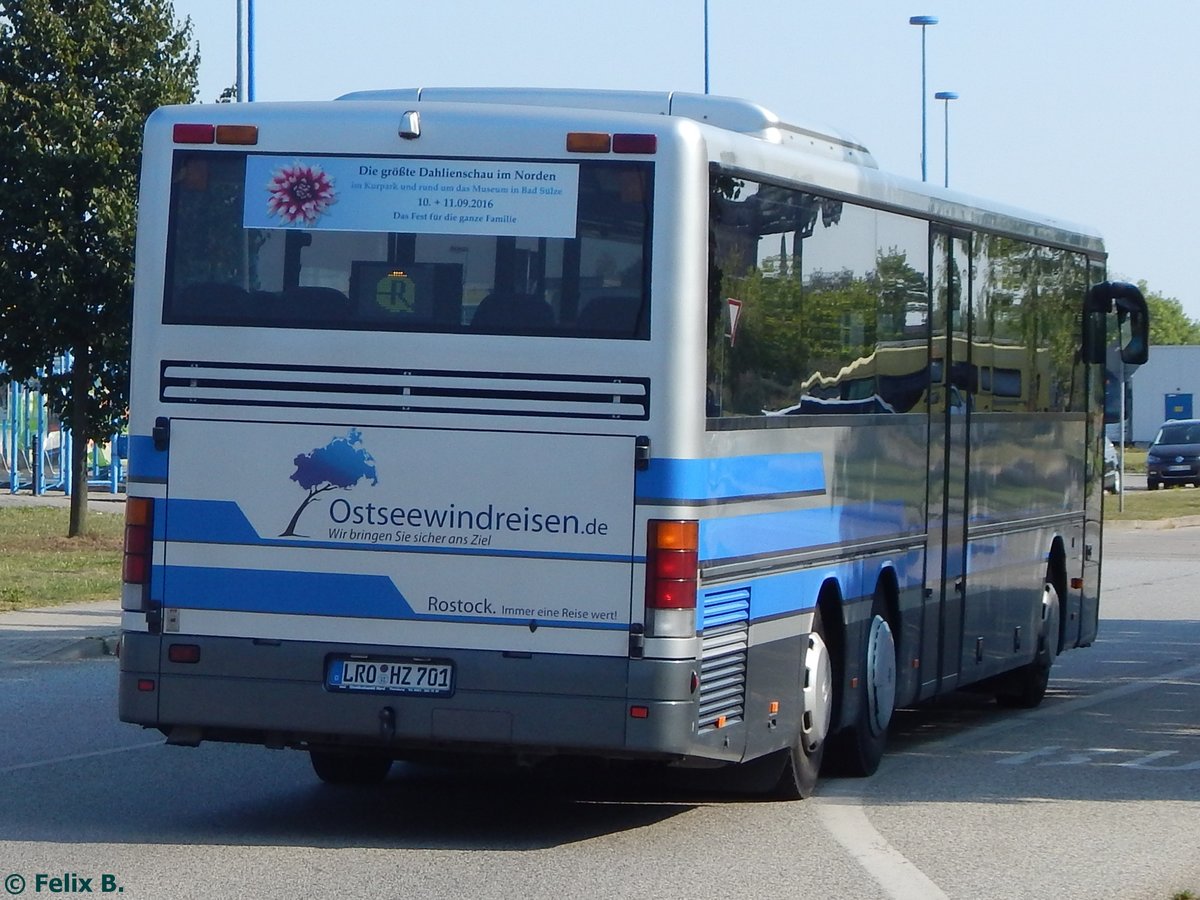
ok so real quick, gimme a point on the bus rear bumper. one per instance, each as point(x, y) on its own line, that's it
point(274, 694)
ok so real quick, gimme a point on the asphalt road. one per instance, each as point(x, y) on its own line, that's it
point(1096, 794)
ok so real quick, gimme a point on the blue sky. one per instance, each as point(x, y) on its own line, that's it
point(1085, 110)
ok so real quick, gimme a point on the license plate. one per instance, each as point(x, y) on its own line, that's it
point(1179, 468)
point(391, 676)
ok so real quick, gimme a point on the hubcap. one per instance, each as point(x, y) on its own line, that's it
point(1049, 636)
point(817, 693)
point(881, 674)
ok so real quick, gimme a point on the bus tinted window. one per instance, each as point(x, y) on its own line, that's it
point(582, 269)
point(1024, 324)
point(816, 306)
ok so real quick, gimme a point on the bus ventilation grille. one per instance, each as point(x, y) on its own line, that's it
point(405, 390)
point(725, 640)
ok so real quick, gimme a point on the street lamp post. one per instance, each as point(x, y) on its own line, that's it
point(706, 46)
point(250, 50)
point(245, 50)
point(946, 96)
point(923, 21)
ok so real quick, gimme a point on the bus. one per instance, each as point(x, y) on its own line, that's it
point(625, 426)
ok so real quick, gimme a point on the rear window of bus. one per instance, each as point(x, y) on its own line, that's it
point(286, 242)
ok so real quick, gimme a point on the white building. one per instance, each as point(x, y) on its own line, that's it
point(1164, 388)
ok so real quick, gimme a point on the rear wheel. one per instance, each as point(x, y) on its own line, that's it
point(803, 762)
point(1025, 688)
point(858, 749)
point(338, 767)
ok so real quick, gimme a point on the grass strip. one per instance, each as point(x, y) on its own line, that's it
point(41, 566)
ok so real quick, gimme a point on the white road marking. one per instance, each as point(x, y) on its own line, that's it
point(75, 757)
point(900, 879)
point(845, 819)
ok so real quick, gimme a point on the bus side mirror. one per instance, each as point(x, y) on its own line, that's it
point(1133, 318)
point(1133, 322)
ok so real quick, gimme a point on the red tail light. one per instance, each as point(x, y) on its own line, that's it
point(197, 133)
point(672, 563)
point(189, 133)
point(184, 653)
point(139, 540)
point(634, 143)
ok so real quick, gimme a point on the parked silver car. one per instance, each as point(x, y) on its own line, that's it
point(1112, 468)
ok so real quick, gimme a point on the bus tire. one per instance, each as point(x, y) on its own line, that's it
point(338, 767)
point(858, 748)
point(1025, 687)
point(802, 763)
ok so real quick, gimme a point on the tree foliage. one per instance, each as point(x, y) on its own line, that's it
point(1169, 324)
point(77, 80)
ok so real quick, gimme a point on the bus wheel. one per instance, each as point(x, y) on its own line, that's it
point(803, 762)
point(858, 748)
point(335, 767)
point(1025, 688)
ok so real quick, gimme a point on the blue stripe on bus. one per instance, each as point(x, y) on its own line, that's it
point(697, 480)
point(157, 585)
point(146, 463)
point(737, 537)
point(790, 593)
point(223, 522)
point(318, 594)
point(305, 593)
point(159, 519)
point(209, 521)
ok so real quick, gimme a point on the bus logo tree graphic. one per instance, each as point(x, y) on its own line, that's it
point(339, 465)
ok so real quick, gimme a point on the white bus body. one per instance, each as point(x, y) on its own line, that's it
point(606, 424)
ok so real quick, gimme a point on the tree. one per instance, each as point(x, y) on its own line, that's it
point(339, 465)
point(1169, 324)
point(77, 80)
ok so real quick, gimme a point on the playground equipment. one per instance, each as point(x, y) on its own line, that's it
point(35, 447)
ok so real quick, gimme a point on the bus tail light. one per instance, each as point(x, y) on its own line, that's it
point(199, 133)
point(193, 133)
point(184, 653)
point(672, 573)
point(237, 134)
point(588, 142)
point(139, 540)
point(635, 143)
point(602, 142)
point(672, 561)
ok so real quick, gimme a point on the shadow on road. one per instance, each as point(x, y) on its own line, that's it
point(220, 794)
point(1120, 722)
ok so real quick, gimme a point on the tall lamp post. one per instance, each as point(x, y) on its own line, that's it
point(923, 21)
point(946, 96)
point(705, 46)
point(245, 50)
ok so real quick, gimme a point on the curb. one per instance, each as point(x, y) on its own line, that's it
point(16, 651)
point(86, 648)
point(1152, 524)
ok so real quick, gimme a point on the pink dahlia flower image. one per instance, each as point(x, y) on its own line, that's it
point(299, 193)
